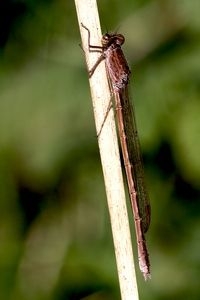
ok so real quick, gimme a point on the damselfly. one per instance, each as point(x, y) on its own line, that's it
point(118, 75)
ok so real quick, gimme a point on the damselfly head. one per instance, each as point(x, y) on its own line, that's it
point(109, 39)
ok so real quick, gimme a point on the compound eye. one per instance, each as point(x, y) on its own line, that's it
point(120, 39)
point(105, 39)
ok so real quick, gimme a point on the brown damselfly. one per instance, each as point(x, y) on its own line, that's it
point(118, 75)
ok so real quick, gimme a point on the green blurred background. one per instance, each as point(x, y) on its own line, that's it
point(55, 236)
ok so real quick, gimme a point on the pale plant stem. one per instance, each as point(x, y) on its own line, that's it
point(87, 14)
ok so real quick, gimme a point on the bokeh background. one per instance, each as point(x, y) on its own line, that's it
point(55, 236)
